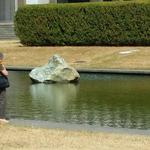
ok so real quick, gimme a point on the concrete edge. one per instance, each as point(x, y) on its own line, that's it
point(77, 127)
point(94, 71)
point(12, 68)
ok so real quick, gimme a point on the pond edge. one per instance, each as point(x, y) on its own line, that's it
point(92, 71)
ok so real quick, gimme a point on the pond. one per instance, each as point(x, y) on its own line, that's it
point(119, 101)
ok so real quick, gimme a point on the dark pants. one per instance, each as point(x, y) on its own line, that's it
point(2, 103)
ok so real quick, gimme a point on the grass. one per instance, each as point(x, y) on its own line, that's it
point(16, 138)
point(92, 57)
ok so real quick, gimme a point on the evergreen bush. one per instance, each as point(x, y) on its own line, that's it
point(103, 23)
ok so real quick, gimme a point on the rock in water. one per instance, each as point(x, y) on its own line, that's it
point(57, 70)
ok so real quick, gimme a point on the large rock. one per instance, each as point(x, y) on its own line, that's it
point(57, 70)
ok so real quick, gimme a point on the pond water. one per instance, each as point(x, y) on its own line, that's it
point(119, 101)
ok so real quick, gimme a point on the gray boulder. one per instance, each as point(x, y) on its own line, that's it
point(57, 70)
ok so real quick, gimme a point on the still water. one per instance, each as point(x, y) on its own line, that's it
point(120, 101)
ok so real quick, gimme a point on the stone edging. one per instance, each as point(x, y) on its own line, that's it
point(101, 71)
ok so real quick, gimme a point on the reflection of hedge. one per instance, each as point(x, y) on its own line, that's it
point(108, 23)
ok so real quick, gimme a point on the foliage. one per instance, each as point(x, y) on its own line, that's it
point(103, 23)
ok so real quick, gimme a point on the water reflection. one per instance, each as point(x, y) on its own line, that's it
point(55, 96)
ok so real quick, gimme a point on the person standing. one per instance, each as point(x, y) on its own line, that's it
point(3, 72)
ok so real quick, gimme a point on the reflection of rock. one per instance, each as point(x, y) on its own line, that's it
point(54, 96)
point(57, 70)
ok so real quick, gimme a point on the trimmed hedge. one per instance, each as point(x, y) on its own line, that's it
point(103, 23)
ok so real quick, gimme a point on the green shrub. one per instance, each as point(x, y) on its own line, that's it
point(104, 23)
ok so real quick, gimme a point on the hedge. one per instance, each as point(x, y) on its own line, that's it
point(103, 23)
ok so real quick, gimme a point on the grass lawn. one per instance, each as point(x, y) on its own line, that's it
point(24, 138)
point(79, 57)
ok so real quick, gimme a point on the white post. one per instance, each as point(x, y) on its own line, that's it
point(16, 5)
